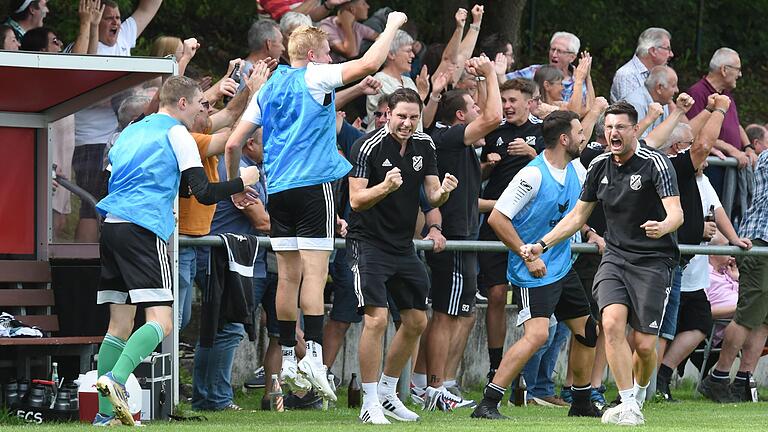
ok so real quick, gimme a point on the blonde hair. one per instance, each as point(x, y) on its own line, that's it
point(303, 39)
point(164, 46)
point(177, 87)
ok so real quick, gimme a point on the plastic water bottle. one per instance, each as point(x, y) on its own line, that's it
point(751, 389)
point(276, 395)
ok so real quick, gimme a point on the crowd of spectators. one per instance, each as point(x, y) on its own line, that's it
point(483, 117)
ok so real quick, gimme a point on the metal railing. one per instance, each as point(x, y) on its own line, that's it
point(497, 246)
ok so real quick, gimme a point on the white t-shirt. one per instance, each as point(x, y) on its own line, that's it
point(96, 124)
point(696, 273)
point(321, 79)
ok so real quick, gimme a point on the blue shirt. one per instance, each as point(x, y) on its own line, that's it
point(551, 204)
point(145, 176)
point(299, 134)
point(230, 219)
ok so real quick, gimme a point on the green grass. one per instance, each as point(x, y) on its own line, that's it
point(688, 415)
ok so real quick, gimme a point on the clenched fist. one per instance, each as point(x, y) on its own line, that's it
point(449, 183)
point(393, 179)
point(396, 19)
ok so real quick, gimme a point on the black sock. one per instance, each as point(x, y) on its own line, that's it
point(287, 333)
point(742, 375)
point(719, 375)
point(495, 354)
point(313, 328)
point(581, 394)
point(665, 372)
point(493, 393)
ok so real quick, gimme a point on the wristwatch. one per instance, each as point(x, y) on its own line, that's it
point(436, 226)
point(544, 246)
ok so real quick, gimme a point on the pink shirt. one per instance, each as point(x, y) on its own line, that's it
point(723, 290)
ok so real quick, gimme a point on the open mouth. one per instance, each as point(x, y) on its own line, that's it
point(616, 145)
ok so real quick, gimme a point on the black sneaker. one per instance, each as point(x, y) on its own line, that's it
point(588, 410)
point(663, 393)
point(486, 410)
point(310, 401)
point(738, 391)
point(717, 391)
point(258, 379)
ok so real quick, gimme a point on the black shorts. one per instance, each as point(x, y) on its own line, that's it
point(695, 312)
point(454, 281)
point(88, 166)
point(135, 266)
point(302, 218)
point(564, 298)
point(493, 270)
point(377, 272)
point(643, 287)
point(586, 266)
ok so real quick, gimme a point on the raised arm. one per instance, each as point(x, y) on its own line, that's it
point(705, 140)
point(491, 114)
point(590, 120)
point(451, 52)
point(437, 193)
point(347, 45)
point(144, 14)
point(372, 60)
point(439, 83)
point(470, 40)
point(234, 109)
point(660, 134)
point(367, 86)
point(84, 31)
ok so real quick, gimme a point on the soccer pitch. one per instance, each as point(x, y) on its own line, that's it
point(687, 415)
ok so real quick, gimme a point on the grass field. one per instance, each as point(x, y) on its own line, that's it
point(688, 415)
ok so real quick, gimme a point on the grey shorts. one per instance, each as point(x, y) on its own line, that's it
point(643, 287)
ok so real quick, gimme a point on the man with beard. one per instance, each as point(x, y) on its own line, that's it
point(537, 198)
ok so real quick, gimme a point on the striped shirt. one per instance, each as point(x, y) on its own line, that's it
point(753, 225)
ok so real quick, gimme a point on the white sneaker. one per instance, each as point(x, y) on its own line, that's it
point(455, 401)
point(614, 415)
point(289, 374)
point(631, 416)
point(418, 395)
point(373, 415)
point(318, 376)
point(393, 407)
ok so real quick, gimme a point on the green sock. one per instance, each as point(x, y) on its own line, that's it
point(141, 344)
point(109, 352)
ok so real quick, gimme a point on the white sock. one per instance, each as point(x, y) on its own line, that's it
point(449, 383)
point(640, 393)
point(387, 385)
point(627, 395)
point(419, 380)
point(370, 394)
point(289, 354)
point(315, 352)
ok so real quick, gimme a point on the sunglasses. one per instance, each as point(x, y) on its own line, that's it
point(378, 114)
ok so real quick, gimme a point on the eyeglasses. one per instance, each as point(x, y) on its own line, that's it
point(536, 99)
point(559, 52)
point(205, 104)
point(378, 114)
point(664, 48)
point(738, 68)
point(685, 144)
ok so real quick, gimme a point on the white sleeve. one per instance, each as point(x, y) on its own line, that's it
point(521, 190)
point(708, 195)
point(128, 33)
point(252, 113)
point(322, 79)
point(184, 147)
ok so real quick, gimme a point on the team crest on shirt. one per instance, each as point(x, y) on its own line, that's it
point(418, 162)
point(635, 181)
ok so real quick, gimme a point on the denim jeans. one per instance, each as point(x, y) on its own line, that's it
point(544, 385)
point(211, 385)
point(187, 271)
point(668, 328)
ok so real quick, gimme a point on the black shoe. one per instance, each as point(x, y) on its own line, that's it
point(488, 410)
point(663, 393)
point(615, 402)
point(588, 410)
point(258, 379)
point(738, 391)
point(310, 400)
point(717, 391)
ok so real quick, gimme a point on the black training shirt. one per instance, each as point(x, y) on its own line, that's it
point(692, 230)
point(631, 195)
point(505, 170)
point(391, 222)
point(460, 213)
point(597, 218)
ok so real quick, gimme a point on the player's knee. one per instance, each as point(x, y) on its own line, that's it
point(645, 346)
point(415, 323)
point(376, 323)
point(497, 295)
point(537, 336)
point(590, 333)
